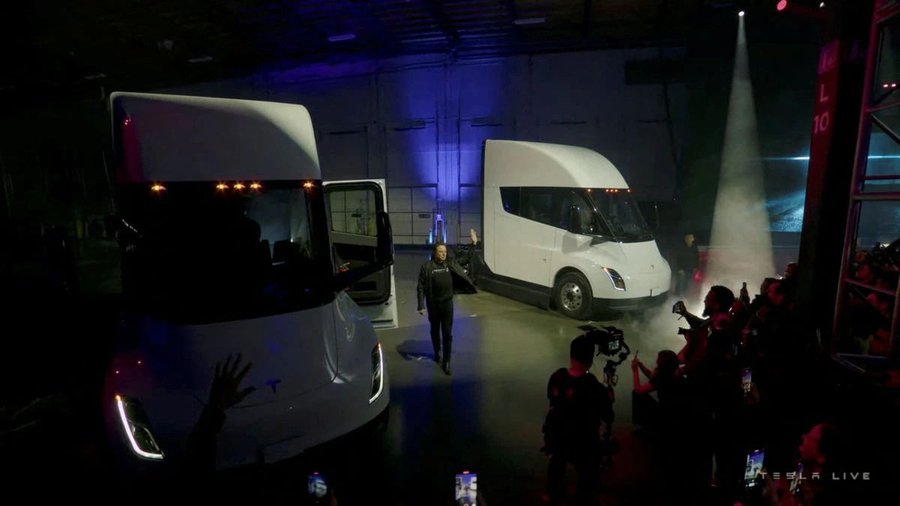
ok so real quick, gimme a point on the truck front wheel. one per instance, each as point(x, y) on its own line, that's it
point(573, 296)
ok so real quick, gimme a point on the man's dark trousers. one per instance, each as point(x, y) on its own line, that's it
point(440, 315)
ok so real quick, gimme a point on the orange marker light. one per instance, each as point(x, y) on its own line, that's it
point(156, 187)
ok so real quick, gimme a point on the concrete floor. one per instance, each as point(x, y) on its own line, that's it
point(487, 417)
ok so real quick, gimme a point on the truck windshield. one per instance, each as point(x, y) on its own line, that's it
point(619, 210)
point(205, 252)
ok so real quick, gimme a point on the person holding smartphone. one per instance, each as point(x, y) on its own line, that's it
point(318, 492)
point(663, 379)
point(820, 456)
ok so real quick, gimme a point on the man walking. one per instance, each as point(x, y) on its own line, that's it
point(687, 261)
point(439, 279)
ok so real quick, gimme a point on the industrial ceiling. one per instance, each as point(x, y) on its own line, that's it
point(65, 48)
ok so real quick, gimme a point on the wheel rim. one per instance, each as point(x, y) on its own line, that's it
point(571, 296)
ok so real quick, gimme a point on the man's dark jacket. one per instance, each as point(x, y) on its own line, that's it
point(461, 282)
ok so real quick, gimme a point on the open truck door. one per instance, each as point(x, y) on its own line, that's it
point(357, 209)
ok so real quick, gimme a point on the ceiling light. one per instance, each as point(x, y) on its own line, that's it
point(341, 37)
point(529, 21)
point(425, 40)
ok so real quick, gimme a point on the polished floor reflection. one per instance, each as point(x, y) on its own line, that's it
point(486, 418)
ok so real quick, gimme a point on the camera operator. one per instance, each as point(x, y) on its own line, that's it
point(579, 405)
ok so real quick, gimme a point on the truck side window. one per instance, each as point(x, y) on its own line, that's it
point(353, 212)
point(574, 206)
point(537, 205)
point(510, 198)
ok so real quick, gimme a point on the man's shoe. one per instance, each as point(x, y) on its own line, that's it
point(446, 367)
point(437, 357)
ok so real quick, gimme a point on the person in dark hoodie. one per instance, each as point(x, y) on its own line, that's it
point(439, 279)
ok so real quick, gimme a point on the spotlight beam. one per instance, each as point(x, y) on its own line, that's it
point(740, 245)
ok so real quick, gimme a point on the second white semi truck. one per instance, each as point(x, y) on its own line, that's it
point(562, 229)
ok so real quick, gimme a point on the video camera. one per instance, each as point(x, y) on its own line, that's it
point(609, 341)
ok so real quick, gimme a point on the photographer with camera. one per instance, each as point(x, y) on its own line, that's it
point(579, 405)
point(708, 341)
point(712, 375)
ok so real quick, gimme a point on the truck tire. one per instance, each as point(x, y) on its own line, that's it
point(574, 297)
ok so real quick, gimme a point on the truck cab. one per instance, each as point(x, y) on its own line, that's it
point(231, 244)
point(562, 228)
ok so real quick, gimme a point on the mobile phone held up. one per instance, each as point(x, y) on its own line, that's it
point(755, 460)
point(466, 490)
point(747, 381)
point(317, 489)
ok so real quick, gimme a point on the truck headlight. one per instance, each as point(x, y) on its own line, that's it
point(615, 278)
point(377, 372)
point(137, 429)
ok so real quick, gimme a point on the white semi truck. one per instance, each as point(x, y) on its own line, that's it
point(232, 243)
point(562, 228)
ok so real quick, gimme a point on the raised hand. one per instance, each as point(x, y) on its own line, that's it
point(226, 388)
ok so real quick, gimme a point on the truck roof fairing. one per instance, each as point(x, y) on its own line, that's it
point(184, 138)
point(543, 164)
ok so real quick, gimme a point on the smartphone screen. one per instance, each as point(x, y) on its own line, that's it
point(754, 466)
point(466, 489)
point(747, 380)
point(317, 488)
